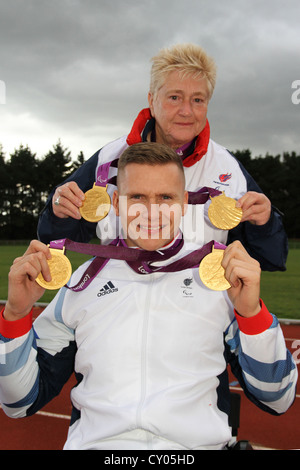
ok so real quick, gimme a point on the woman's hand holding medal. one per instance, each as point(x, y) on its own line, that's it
point(93, 205)
point(256, 208)
point(67, 200)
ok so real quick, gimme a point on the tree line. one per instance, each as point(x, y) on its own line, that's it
point(26, 181)
point(278, 177)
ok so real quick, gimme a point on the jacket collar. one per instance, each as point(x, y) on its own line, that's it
point(201, 143)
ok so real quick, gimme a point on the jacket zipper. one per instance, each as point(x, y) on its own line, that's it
point(144, 346)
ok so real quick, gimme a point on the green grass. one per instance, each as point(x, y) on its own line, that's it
point(279, 290)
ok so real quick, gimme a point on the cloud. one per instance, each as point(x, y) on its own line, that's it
point(79, 70)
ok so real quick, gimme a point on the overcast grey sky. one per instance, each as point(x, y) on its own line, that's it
point(78, 70)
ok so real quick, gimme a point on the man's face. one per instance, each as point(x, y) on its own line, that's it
point(150, 202)
point(180, 109)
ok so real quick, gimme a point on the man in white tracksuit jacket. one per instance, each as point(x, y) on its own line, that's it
point(149, 351)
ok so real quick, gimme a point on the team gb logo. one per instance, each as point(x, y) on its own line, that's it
point(225, 177)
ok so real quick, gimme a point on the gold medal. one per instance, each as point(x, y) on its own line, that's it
point(223, 212)
point(211, 271)
point(96, 205)
point(60, 270)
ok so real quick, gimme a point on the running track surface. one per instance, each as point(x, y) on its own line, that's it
point(47, 430)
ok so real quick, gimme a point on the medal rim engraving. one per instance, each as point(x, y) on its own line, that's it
point(60, 259)
point(98, 192)
point(222, 212)
point(213, 260)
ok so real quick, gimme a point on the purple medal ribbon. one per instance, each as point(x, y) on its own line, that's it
point(201, 196)
point(102, 174)
point(139, 260)
point(184, 150)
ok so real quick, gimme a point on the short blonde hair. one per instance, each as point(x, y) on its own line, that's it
point(189, 59)
point(149, 153)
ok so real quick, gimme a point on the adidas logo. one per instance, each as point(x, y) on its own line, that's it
point(109, 288)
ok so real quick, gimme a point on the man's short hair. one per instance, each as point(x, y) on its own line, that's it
point(189, 59)
point(149, 153)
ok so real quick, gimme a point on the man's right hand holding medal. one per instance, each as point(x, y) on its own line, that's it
point(23, 291)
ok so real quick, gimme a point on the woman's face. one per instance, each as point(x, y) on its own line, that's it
point(179, 108)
